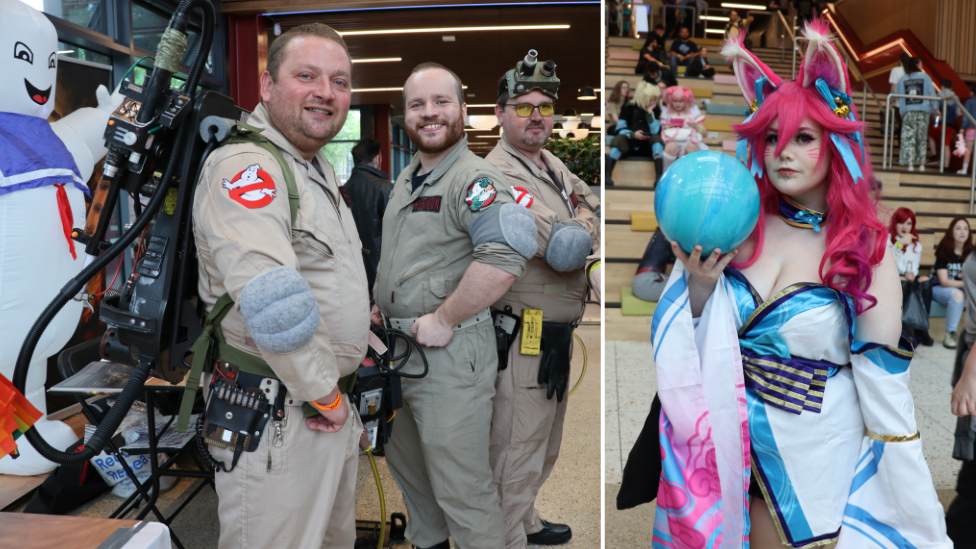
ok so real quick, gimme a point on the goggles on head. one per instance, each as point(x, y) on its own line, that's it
point(524, 110)
point(530, 75)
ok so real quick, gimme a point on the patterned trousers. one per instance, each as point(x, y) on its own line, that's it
point(914, 138)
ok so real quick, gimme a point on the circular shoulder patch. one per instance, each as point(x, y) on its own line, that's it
point(252, 187)
point(523, 197)
point(481, 193)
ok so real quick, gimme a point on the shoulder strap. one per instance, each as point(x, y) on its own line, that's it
point(253, 136)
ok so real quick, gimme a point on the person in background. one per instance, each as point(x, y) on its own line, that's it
point(737, 26)
point(896, 73)
point(699, 66)
point(653, 50)
point(915, 115)
point(948, 286)
point(907, 251)
point(369, 192)
point(639, 131)
point(615, 101)
point(657, 75)
point(959, 517)
point(683, 49)
point(805, 11)
point(968, 130)
point(650, 279)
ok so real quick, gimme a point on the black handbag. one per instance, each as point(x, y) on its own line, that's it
point(914, 315)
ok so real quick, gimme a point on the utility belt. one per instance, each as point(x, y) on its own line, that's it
point(405, 324)
point(244, 392)
point(552, 340)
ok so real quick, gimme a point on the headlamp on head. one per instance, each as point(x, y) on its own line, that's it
point(530, 75)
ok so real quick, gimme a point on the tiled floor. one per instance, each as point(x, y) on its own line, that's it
point(630, 386)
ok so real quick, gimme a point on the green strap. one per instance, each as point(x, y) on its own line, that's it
point(252, 136)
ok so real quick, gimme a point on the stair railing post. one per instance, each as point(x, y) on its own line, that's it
point(884, 149)
point(942, 150)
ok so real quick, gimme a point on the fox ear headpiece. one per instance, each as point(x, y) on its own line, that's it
point(822, 68)
point(756, 81)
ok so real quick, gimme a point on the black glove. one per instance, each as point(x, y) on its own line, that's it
point(557, 342)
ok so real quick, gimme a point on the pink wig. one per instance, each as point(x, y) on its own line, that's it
point(856, 238)
point(678, 91)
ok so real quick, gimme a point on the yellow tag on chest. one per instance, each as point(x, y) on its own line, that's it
point(531, 331)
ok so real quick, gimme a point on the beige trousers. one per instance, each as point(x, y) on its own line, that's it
point(526, 431)
point(306, 501)
point(438, 453)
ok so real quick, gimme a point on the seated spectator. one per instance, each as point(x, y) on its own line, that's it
point(907, 251)
point(683, 50)
point(915, 115)
point(615, 101)
point(737, 26)
point(653, 50)
point(699, 66)
point(369, 191)
point(947, 288)
point(655, 74)
point(638, 131)
point(682, 123)
point(650, 279)
point(968, 130)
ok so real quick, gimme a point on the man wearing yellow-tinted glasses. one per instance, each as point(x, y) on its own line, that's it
point(531, 389)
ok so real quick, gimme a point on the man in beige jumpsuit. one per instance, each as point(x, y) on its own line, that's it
point(300, 299)
point(527, 426)
point(455, 242)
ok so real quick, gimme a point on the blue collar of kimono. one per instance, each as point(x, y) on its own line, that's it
point(800, 216)
point(840, 103)
point(741, 144)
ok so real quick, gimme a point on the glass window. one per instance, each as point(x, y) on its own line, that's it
point(148, 24)
point(339, 151)
point(76, 52)
point(90, 14)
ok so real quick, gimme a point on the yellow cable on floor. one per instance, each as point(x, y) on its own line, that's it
point(583, 373)
point(379, 489)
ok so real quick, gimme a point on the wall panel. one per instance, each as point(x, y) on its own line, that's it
point(875, 19)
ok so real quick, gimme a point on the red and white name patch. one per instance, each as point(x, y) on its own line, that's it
point(522, 197)
point(252, 187)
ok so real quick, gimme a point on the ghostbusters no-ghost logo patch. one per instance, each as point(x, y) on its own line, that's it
point(252, 187)
point(481, 193)
point(522, 197)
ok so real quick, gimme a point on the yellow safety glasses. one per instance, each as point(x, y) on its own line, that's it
point(525, 109)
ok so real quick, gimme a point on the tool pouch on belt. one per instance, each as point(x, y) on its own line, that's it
point(506, 326)
point(557, 343)
point(234, 410)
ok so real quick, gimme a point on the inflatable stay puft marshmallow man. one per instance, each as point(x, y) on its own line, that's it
point(43, 173)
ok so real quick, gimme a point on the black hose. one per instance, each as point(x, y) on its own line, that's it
point(138, 378)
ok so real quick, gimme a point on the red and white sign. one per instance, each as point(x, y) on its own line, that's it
point(252, 187)
point(522, 197)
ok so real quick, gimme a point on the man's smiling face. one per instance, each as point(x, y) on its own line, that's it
point(28, 60)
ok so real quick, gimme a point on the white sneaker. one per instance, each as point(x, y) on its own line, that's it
point(911, 168)
point(921, 167)
point(964, 170)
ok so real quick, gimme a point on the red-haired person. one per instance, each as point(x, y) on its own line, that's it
point(907, 251)
point(947, 287)
point(786, 364)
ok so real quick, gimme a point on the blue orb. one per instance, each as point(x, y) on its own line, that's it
point(707, 198)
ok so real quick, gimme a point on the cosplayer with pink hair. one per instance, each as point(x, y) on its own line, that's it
point(786, 417)
point(683, 123)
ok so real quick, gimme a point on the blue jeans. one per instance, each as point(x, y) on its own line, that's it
point(674, 63)
point(943, 295)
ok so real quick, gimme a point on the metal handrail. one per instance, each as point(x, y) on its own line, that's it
point(864, 91)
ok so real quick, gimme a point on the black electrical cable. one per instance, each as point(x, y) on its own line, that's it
point(398, 362)
point(138, 377)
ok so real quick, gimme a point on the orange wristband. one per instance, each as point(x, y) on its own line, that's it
point(329, 407)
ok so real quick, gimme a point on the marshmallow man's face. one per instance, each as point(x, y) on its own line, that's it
point(28, 60)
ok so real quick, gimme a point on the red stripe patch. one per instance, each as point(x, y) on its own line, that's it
point(427, 204)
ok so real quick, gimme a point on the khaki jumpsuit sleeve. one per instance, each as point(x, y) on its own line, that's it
point(589, 203)
point(248, 237)
point(496, 254)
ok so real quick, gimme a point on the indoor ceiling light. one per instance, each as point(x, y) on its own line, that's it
point(714, 31)
point(569, 114)
point(713, 18)
point(482, 121)
point(586, 93)
point(452, 29)
point(484, 106)
point(65, 52)
point(377, 60)
point(734, 5)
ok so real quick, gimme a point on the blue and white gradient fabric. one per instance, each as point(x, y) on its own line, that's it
point(844, 466)
point(32, 156)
